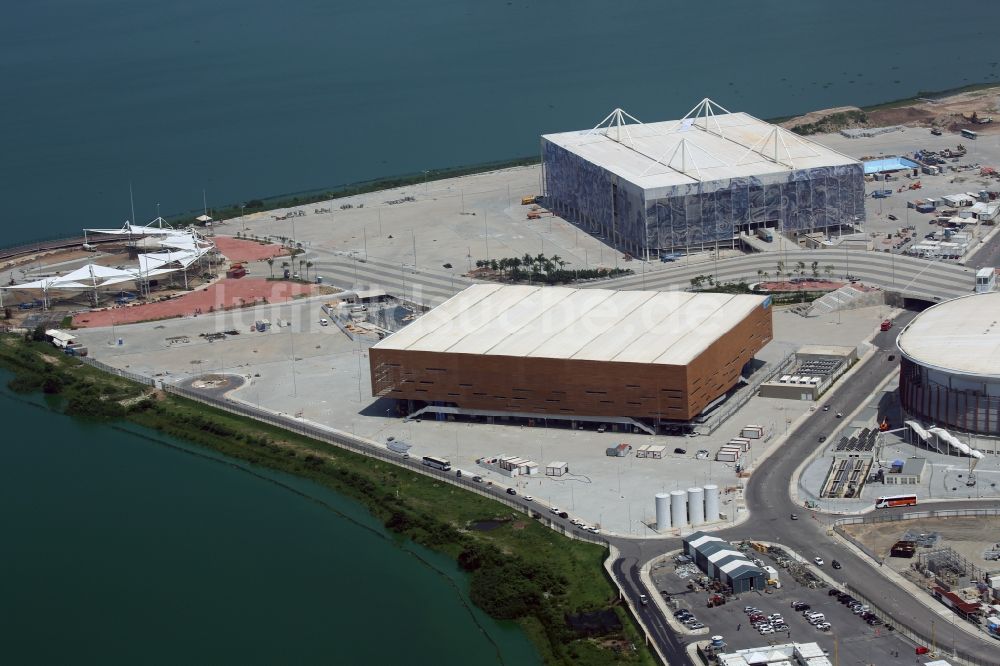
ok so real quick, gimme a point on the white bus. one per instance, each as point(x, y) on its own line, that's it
point(889, 501)
point(437, 463)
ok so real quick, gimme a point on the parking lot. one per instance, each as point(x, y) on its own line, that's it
point(854, 640)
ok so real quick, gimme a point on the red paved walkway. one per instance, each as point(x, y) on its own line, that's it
point(221, 295)
point(804, 285)
point(237, 249)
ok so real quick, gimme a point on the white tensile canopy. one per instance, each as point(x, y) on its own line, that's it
point(186, 247)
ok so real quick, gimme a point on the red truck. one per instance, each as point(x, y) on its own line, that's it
point(886, 324)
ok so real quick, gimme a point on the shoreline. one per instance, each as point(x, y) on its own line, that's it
point(555, 575)
point(266, 203)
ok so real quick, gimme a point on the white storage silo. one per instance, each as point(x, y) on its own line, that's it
point(696, 506)
point(711, 503)
point(678, 508)
point(662, 512)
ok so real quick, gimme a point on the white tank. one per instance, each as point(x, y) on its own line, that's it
point(662, 512)
point(696, 506)
point(711, 503)
point(678, 508)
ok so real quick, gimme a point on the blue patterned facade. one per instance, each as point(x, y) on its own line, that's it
point(698, 214)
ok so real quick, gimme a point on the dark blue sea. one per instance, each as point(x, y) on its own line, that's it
point(251, 98)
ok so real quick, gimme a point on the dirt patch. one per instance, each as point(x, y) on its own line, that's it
point(51, 360)
point(952, 113)
point(239, 250)
point(223, 295)
point(968, 536)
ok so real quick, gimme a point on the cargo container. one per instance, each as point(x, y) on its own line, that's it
point(727, 454)
point(752, 431)
point(742, 443)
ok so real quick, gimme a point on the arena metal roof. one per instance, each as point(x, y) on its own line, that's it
point(961, 336)
point(703, 146)
point(668, 328)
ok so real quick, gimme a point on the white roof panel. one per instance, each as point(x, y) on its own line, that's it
point(668, 328)
point(670, 153)
point(960, 336)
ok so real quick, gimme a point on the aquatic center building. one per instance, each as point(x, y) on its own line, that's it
point(633, 357)
point(696, 182)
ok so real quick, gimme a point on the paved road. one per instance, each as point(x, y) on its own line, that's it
point(933, 281)
point(912, 277)
point(767, 498)
point(767, 495)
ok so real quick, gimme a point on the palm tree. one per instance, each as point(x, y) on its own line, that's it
point(302, 262)
point(494, 266)
point(828, 269)
point(815, 268)
point(515, 265)
point(309, 265)
point(270, 264)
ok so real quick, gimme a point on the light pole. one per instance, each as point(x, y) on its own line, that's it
point(242, 221)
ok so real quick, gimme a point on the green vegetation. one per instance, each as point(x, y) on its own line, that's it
point(541, 269)
point(519, 571)
point(832, 123)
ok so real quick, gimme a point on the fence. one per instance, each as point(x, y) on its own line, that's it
point(137, 378)
point(742, 396)
point(899, 625)
point(366, 448)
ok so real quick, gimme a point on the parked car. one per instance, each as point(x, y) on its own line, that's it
point(835, 564)
point(681, 611)
point(892, 217)
point(795, 516)
point(554, 510)
point(680, 451)
point(819, 561)
point(602, 428)
point(511, 491)
point(529, 498)
point(822, 438)
point(477, 479)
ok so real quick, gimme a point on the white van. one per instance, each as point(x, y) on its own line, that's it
point(323, 321)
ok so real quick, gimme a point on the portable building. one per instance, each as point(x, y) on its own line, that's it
point(557, 468)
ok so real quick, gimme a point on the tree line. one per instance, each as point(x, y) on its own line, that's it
point(540, 268)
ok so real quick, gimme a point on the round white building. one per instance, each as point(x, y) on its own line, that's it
point(950, 364)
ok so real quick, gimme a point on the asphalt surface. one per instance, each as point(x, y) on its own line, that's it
point(770, 506)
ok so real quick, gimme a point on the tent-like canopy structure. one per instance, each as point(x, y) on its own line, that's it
point(185, 247)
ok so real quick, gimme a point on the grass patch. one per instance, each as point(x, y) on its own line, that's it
point(521, 570)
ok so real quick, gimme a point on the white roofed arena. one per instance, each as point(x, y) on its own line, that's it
point(696, 182)
point(950, 370)
point(573, 354)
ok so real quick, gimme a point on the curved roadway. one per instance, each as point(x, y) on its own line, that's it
point(770, 505)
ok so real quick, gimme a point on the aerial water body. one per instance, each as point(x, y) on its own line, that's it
point(123, 547)
point(251, 98)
